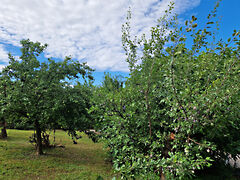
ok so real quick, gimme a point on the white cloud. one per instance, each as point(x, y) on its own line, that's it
point(3, 57)
point(88, 30)
point(1, 67)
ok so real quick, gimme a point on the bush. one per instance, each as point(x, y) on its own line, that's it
point(179, 110)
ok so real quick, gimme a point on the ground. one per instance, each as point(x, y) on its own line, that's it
point(85, 160)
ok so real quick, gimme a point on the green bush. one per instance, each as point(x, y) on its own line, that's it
point(179, 110)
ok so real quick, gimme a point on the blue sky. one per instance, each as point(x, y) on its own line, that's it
point(90, 30)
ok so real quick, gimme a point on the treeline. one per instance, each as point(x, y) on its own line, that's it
point(176, 114)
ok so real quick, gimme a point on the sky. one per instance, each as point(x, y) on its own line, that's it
point(90, 30)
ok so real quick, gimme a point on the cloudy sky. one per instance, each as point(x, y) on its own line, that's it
point(88, 30)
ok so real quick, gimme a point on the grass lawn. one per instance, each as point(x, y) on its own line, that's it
point(85, 160)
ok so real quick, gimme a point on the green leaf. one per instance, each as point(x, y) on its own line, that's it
point(194, 25)
point(210, 22)
point(99, 178)
point(194, 18)
point(177, 53)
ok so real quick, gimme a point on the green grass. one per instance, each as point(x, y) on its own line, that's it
point(85, 160)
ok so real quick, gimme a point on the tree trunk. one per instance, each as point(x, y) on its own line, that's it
point(4, 130)
point(54, 135)
point(162, 177)
point(39, 138)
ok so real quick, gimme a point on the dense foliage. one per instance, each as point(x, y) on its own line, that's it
point(4, 114)
point(179, 111)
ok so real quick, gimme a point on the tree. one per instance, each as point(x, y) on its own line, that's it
point(179, 110)
point(39, 87)
point(72, 111)
point(102, 100)
point(4, 89)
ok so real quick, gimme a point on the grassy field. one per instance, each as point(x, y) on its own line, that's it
point(85, 160)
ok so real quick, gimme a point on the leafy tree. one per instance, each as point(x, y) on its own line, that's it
point(102, 99)
point(72, 113)
point(179, 110)
point(4, 91)
point(41, 90)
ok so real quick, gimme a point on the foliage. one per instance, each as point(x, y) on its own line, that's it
point(42, 90)
point(102, 101)
point(179, 110)
point(5, 86)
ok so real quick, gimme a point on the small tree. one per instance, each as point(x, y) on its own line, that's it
point(38, 87)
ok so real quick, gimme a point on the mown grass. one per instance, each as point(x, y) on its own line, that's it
point(85, 160)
